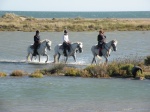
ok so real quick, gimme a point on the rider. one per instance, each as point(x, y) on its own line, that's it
point(36, 42)
point(101, 40)
point(66, 42)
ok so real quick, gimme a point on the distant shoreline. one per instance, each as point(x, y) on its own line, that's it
point(12, 22)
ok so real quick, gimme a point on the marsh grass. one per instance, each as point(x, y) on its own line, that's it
point(55, 70)
point(147, 60)
point(3, 74)
point(12, 22)
point(36, 74)
point(18, 73)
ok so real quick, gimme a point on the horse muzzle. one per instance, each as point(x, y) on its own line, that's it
point(49, 48)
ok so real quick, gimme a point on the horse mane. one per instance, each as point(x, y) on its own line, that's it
point(44, 40)
point(76, 42)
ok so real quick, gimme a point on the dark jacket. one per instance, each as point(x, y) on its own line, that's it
point(100, 38)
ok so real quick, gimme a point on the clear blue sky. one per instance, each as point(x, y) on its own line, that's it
point(75, 5)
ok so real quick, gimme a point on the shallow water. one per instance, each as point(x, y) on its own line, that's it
point(13, 47)
point(65, 94)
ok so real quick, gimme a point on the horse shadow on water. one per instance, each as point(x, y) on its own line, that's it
point(42, 50)
point(107, 48)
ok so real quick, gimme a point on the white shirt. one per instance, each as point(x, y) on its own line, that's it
point(65, 38)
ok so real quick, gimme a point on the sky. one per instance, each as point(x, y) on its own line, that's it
point(74, 5)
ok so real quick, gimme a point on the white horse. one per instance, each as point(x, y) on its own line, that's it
point(74, 47)
point(42, 50)
point(107, 48)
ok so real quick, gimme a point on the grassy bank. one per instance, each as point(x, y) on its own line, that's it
point(117, 69)
point(12, 22)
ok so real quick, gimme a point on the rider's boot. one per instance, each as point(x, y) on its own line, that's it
point(100, 51)
point(65, 52)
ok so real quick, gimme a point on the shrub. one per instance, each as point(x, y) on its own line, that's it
point(2, 74)
point(56, 69)
point(36, 74)
point(128, 68)
point(97, 71)
point(70, 71)
point(147, 61)
point(17, 73)
point(113, 69)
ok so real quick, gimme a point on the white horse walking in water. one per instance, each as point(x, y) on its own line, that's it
point(42, 50)
point(107, 48)
point(77, 46)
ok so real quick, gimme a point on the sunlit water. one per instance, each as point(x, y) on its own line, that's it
point(66, 94)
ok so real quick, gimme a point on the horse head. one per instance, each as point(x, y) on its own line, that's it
point(114, 44)
point(80, 47)
point(48, 44)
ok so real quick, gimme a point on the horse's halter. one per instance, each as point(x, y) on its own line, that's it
point(113, 45)
point(47, 45)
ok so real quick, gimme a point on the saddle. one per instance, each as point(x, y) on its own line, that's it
point(65, 49)
point(35, 50)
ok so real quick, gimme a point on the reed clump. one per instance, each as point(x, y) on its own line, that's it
point(18, 73)
point(12, 22)
point(36, 74)
point(3, 74)
point(55, 70)
point(147, 61)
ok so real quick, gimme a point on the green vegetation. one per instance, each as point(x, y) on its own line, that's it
point(147, 60)
point(3, 74)
point(36, 74)
point(12, 22)
point(119, 69)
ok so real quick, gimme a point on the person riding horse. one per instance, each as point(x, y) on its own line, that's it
point(66, 42)
point(36, 42)
point(101, 40)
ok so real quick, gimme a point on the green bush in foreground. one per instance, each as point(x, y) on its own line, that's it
point(3, 74)
point(147, 61)
point(70, 71)
point(36, 74)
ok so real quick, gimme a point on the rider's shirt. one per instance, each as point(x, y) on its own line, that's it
point(66, 38)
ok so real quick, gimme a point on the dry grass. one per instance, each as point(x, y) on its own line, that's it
point(18, 73)
point(3, 74)
point(12, 22)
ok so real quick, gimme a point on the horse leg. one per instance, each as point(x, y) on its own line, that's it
point(39, 58)
point(74, 57)
point(31, 57)
point(27, 58)
point(58, 57)
point(94, 60)
point(66, 59)
point(47, 57)
point(55, 58)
